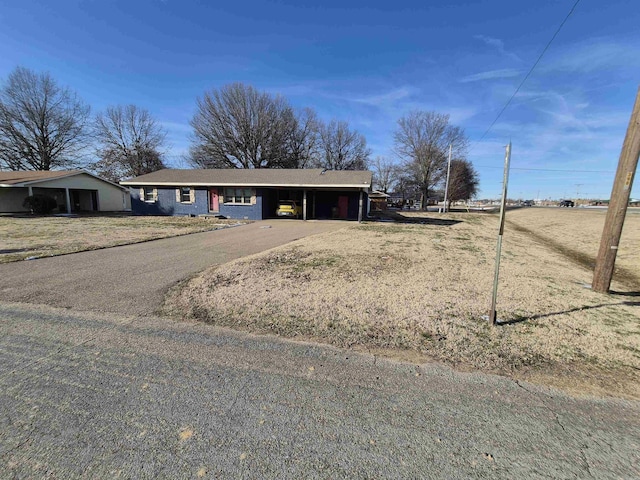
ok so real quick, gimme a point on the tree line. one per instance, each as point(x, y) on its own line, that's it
point(45, 126)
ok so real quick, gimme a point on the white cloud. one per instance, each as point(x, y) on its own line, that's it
point(498, 45)
point(593, 55)
point(389, 97)
point(491, 75)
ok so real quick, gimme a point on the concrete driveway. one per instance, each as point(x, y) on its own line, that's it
point(133, 279)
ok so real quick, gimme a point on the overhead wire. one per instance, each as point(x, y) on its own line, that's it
point(529, 72)
point(611, 172)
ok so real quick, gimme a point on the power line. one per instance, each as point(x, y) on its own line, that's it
point(530, 71)
point(549, 169)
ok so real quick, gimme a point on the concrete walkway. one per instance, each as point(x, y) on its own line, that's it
point(133, 279)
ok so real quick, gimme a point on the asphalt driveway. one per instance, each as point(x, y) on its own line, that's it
point(133, 279)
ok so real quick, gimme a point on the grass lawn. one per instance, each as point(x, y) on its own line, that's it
point(417, 291)
point(25, 237)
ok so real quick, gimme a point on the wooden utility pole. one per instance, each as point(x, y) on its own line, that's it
point(618, 203)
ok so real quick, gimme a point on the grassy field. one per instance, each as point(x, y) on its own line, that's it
point(417, 291)
point(26, 237)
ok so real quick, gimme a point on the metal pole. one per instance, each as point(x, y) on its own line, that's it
point(620, 193)
point(446, 187)
point(507, 160)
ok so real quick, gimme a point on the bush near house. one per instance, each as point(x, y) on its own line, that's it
point(40, 204)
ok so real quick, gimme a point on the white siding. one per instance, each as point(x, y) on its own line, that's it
point(110, 197)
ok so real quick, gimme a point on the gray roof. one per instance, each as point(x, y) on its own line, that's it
point(265, 177)
point(24, 178)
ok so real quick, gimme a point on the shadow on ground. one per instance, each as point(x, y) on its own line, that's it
point(421, 220)
point(629, 278)
point(551, 314)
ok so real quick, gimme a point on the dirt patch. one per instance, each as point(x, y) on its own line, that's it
point(420, 289)
point(34, 237)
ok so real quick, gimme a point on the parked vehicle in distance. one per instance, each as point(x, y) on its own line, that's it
point(288, 208)
point(566, 203)
point(527, 203)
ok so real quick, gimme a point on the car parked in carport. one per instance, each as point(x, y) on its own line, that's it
point(288, 208)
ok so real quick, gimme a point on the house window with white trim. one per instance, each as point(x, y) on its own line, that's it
point(185, 195)
point(150, 194)
point(238, 196)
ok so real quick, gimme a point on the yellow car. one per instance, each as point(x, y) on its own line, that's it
point(288, 208)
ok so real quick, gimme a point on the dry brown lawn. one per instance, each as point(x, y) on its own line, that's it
point(418, 291)
point(26, 237)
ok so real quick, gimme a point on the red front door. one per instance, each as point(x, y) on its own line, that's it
point(343, 206)
point(214, 205)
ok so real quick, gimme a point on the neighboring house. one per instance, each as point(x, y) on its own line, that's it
point(378, 201)
point(73, 190)
point(250, 193)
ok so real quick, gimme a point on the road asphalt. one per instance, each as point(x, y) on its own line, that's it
point(133, 279)
point(93, 385)
point(89, 395)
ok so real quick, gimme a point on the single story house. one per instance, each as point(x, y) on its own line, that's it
point(251, 193)
point(74, 191)
point(378, 201)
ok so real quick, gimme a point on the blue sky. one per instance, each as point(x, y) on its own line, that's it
point(368, 63)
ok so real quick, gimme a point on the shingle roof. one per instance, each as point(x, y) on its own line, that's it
point(264, 177)
point(15, 178)
point(25, 178)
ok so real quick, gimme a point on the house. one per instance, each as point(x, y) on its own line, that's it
point(250, 193)
point(73, 190)
point(378, 201)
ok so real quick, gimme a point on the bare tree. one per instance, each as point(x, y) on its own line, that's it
point(342, 148)
point(463, 181)
point(422, 140)
point(240, 127)
point(129, 142)
point(385, 174)
point(304, 140)
point(42, 125)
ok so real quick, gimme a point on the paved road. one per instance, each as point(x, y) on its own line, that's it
point(133, 279)
point(89, 395)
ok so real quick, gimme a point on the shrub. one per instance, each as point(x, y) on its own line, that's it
point(40, 204)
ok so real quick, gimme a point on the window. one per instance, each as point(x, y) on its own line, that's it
point(149, 194)
point(185, 195)
point(239, 196)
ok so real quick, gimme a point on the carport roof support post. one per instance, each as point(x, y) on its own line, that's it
point(304, 204)
point(67, 199)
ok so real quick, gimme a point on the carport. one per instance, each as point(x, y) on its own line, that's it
point(317, 203)
point(73, 191)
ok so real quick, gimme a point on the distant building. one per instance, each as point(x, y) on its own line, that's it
point(73, 190)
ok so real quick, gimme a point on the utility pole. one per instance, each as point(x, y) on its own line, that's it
point(446, 187)
point(605, 262)
point(507, 160)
